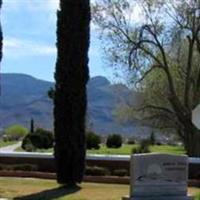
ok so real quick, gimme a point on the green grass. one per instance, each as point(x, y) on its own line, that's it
point(197, 197)
point(123, 150)
point(168, 149)
point(19, 149)
point(126, 149)
point(4, 144)
point(195, 192)
point(39, 189)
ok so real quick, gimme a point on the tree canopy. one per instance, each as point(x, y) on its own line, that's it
point(159, 43)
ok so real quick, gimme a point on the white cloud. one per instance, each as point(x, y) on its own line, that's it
point(15, 47)
point(11, 43)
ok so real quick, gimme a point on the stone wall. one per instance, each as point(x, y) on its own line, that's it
point(46, 163)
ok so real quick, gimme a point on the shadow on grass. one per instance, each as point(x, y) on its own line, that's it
point(50, 194)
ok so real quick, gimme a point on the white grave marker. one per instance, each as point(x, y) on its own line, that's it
point(196, 116)
point(158, 177)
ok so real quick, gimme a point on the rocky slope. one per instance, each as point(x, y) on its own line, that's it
point(24, 97)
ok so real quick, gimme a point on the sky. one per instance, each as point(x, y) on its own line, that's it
point(29, 29)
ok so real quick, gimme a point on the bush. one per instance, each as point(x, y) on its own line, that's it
point(114, 141)
point(131, 141)
point(142, 148)
point(25, 167)
point(14, 133)
point(27, 145)
point(159, 143)
point(97, 171)
point(152, 139)
point(92, 140)
point(120, 172)
point(40, 139)
point(19, 167)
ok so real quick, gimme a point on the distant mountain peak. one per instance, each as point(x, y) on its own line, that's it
point(99, 81)
point(25, 97)
point(19, 77)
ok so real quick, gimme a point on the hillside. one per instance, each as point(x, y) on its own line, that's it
point(24, 97)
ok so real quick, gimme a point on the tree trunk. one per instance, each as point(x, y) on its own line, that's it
point(70, 98)
point(192, 140)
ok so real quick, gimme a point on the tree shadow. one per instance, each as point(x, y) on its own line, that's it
point(50, 194)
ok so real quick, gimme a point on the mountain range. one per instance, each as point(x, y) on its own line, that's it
point(24, 97)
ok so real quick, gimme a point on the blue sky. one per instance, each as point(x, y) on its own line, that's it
point(29, 28)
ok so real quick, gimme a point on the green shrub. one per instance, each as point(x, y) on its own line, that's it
point(19, 167)
point(25, 167)
point(120, 172)
point(131, 141)
point(27, 145)
point(159, 143)
point(40, 139)
point(114, 141)
point(92, 140)
point(14, 133)
point(97, 171)
point(142, 148)
point(1, 167)
point(5, 167)
point(152, 139)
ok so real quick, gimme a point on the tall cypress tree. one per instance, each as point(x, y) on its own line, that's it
point(1, 36)
point(32, 126)
point(70, 100)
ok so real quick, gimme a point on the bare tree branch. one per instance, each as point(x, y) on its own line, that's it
point(155, 108)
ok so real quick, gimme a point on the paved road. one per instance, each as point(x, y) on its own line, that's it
point(10, 148)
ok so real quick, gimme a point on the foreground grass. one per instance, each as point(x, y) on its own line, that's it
point(197, 197)
point(4, 144)
point(126, 149)
point(38, 189)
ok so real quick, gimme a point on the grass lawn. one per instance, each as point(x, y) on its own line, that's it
point(4, 144)
point(19, 149)
point(197, 196)
point(38, 189)
point(168, 149)
point(126, 150)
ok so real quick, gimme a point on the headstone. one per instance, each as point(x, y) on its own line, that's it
point(158, 177)
point(196, 116)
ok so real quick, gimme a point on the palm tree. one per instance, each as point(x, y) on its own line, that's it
point(70, 100)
